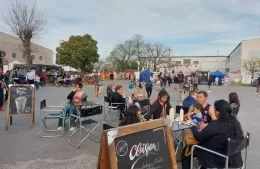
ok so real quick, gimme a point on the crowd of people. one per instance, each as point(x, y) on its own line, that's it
point(212, 125)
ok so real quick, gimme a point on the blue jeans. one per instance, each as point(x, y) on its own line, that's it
point(70, 109)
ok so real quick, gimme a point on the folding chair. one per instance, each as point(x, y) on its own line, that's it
point(111, 107)
point(83, 123)
point(233, 147)
point(51, 112)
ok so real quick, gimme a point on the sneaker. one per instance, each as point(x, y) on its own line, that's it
point(209, 91)
point(59, 128)
point(72, 128)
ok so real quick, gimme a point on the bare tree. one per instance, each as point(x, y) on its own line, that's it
point(26, 23)
point(122, 53)
point(252, 66)
point(139, 46)
point(155, 55)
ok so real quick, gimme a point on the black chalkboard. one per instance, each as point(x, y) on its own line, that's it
point(21, 99)
point(143, 150)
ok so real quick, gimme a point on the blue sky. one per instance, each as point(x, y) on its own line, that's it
point(189, 27)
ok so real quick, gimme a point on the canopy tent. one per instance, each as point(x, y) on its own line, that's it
point(69, 68)
point(10, 66)
point(145, 76)
point(218, 74)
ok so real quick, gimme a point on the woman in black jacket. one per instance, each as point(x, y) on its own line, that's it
point(214, 137)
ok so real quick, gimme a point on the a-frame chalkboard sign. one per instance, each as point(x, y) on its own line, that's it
point(20, 102)
point(141, 145)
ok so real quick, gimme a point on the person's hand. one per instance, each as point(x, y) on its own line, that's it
point(74, 90)
point(212, 113)
point(6, 89)
point(203, 125)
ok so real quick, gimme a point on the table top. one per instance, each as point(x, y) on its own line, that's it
point(178, 127)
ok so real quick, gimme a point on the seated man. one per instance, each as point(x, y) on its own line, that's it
point(109, 90)
point(76, 97)
point(119, 97)
point(190, 100)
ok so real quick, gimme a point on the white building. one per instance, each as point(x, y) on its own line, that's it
point(236, 59)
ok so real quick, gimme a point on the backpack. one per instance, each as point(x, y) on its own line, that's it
point(235, 109)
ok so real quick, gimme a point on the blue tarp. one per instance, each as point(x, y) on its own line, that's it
point(218, 74)
point(145, 76)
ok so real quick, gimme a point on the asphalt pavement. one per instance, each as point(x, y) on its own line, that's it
point(22, 147)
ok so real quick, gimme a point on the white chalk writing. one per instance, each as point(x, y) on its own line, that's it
point(21, 91)
point(142, 149)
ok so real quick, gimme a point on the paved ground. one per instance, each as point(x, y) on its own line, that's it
point(20, 146)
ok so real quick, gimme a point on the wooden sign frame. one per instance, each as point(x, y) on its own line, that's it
point(9, 116)
point(107, 154)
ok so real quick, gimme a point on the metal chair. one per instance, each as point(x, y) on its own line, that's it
point(83, 123)
point(51, 112)
point(233, 147)
point(112, 106)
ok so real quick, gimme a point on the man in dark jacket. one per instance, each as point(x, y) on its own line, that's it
point(190, 100)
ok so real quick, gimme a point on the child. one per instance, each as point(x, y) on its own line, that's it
point(195, 116)
point(130, 85)
point(37, 82)
point(132, 115)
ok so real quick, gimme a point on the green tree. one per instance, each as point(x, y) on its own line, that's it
point(80, 52)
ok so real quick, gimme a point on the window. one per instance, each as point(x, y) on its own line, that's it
point(32, 56)
point(40, 58)
point(196, 62)
point(187, 62)
point(178, 62)
point(14, 55)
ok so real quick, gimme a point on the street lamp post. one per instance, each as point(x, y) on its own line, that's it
point(217, 59)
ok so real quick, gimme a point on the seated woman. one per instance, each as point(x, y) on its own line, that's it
point(109, 90)
point(160, 107)
point(132, 115)
point(119, 97)
point(214, 137)
point(76, 97)
point(194, 116)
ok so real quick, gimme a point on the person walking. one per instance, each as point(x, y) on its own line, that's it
point(149, 88)
point(2, 87)
point(30, 77)
point(257, 86)
point(195, 81)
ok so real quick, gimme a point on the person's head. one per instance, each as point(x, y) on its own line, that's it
point(197, 108)
point(202, 97)
point(233, 98)
point(131, 116)
point(109, 87)
point(223, 112)
point(162, 96)
point(193, 93)
point(78, 87)
point(119, 88)
point(138, 93)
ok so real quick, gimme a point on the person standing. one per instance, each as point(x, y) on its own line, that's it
point(210, 81)
point(257, 86)
point(149, 88)
point(195, 81)
point(43, 79)
point(30, 77)
point(2, 87)
point(7, 81)
point(37, 82)
point(216, 81)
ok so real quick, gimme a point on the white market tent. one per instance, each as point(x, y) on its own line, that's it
point(69, 68)
point(10, 66)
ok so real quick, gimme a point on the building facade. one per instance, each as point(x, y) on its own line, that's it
point(245, 50)
point(11, 47)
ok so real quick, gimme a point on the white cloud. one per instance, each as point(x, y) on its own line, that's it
point(222, 24)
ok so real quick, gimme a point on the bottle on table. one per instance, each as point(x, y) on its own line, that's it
point(181, 115)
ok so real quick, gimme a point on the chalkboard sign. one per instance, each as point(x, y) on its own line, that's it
point(138, 146)
point(20, 101)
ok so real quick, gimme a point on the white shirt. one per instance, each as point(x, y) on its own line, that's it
point(30, 76)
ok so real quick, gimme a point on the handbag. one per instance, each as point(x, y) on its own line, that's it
point(189, 141)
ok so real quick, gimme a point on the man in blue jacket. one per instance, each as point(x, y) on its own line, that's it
point(190, 100)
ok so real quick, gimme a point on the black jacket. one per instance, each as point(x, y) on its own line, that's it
point(214, 137)
point(157, 108)
point(117, 98)
point(71, 95)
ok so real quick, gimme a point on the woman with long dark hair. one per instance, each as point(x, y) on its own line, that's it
point(214, 137)
point(131, 116)
point(234, 103)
